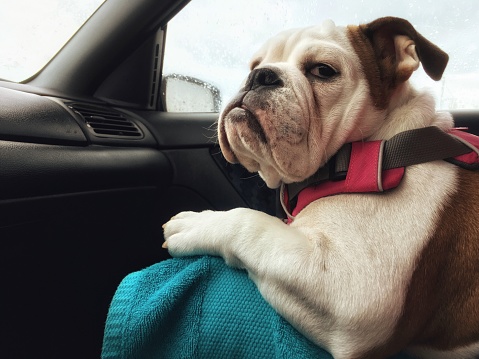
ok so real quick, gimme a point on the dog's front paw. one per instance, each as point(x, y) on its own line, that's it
point(196, 233)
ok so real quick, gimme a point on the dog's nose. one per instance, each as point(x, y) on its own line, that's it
point(263, 77)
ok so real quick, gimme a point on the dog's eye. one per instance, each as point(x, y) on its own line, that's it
point(323, 71)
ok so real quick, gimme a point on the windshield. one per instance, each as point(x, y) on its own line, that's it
point(32, 32)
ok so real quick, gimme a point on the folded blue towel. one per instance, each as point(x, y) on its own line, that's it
point(198, 308)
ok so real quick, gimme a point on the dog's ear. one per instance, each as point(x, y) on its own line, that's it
point(390, 49)
point(396, 41)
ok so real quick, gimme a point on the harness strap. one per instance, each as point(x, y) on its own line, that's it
point(404, 149)
point(422, 145)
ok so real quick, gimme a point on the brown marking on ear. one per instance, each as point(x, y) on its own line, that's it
point(433, 59)
point(374, 44)
point(377, 77)
point(441, 310)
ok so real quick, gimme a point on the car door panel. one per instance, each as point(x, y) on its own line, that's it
point(181, 130)
point(62, 258)
point(32, 170)
point(73, 221)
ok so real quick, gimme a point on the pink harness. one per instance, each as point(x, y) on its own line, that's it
point(365, 172)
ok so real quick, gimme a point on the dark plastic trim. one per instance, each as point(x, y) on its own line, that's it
point(32, 170)
point(33, 118)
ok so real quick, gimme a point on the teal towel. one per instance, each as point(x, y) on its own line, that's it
point(198, 308)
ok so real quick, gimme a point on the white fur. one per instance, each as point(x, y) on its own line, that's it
point(340, 271)
point(371, 257)
point(339, 279)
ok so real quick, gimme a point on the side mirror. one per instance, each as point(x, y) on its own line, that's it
point(181, 93)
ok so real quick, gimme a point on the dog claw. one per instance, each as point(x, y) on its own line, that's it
point(165, 244)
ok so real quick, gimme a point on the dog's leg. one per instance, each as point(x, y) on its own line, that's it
point(243, 237)
point(282, 261)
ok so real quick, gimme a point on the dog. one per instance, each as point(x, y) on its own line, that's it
point(366, 273)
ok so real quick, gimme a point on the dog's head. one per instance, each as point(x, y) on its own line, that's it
point(311, 90)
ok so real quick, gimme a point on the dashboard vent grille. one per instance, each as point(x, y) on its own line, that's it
point(107, 122)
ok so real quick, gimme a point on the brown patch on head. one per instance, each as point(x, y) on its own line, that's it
point(374, 44)
point(433, 59)
point(441, 310)
point(376, 77)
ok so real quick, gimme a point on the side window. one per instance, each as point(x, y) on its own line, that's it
point(210, 42)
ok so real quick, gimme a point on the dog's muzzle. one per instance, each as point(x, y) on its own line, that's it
point(242, 107)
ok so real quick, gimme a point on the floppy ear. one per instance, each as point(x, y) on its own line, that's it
point(390, 50)
point(383, 34)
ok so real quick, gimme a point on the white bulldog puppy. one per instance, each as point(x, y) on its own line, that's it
point(363, 273)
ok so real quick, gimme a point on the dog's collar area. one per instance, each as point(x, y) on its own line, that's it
point(377, 166)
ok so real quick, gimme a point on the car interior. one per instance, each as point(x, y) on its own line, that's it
point(91, 166)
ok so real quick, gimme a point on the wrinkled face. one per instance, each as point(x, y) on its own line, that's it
point(305, 97)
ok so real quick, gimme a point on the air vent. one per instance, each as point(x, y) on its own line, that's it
point(106, 122)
